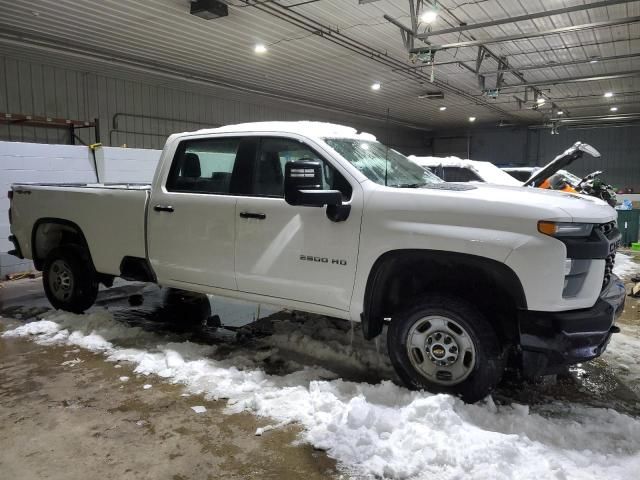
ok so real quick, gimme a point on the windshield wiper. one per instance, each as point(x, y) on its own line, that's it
point(409, 185)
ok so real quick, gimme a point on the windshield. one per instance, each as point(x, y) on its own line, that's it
point(381, 164)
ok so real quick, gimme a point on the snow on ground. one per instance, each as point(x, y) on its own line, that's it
point(623, 353)
point(381, 430)
point(625, 266)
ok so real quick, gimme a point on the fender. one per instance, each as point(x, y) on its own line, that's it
point(37, 261)
point(392, 262)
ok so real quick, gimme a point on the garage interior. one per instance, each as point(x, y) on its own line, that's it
point(89, 92)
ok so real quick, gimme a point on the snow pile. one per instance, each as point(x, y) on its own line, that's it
point(625, 266)
point(623, 354)
point(306, 128)
point(382, 429)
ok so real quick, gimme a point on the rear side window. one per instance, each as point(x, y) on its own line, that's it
point(457, 174)
point(204, 166)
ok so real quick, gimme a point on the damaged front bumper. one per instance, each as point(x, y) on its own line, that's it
point(550, 341)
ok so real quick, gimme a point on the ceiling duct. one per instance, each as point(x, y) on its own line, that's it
point(209, 9)
point(432, 96)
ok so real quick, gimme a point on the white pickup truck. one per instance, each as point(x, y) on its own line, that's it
point(320, 218)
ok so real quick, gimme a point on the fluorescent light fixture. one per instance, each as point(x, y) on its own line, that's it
point(260, 48)
point(614, 109)
point(472, 119)
point(608, 95)
point(442, 109)
point(560, 112)
point(376, 86)
point(429, 16)
point(595, 60)
point(541, 100)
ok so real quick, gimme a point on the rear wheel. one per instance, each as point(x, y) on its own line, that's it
point(69, 280)
point(445, 345)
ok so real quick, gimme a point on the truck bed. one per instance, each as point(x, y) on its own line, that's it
point(110, 216)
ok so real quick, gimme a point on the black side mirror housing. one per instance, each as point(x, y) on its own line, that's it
point(303, 185)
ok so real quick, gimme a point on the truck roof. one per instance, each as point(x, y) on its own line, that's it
point(306, 128)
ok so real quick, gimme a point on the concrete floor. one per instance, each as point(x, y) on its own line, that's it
point(69, 420)
point(79, 420)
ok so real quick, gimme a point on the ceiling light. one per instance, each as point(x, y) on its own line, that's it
point(260, 48)
point(442, 109)
point(429, 16)
point(560, 112)
point(608, 95)
point(541, 100)
point(472, 119)
point(614, 109)
point(376, 86)
point(593, 61)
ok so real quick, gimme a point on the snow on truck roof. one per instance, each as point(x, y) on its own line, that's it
point(485, 170)
point(308, 129)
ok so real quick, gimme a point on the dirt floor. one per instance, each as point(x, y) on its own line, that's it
point(65, 413)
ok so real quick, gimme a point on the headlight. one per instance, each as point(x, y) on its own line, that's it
point(565, 229)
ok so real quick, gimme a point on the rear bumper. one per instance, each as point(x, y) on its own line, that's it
point(552, 340)
point(16, 252)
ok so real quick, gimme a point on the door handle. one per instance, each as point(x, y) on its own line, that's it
point(163, 208)
point(259, 216)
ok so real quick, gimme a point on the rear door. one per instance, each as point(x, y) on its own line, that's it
point(295, 252)
point(192, 214)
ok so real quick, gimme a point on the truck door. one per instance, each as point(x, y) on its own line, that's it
point(295, 252)
point(192, 215)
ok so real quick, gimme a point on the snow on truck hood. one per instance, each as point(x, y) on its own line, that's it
point(317, 130)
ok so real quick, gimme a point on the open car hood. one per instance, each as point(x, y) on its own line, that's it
point(561, 161)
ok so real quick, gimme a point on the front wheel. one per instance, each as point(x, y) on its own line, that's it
point(445, 345)
point(69, 279)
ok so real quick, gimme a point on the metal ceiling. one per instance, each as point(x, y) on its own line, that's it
point(329, 52)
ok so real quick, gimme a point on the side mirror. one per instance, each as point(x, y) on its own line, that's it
point(303, 185)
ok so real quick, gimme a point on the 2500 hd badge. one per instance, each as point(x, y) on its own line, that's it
point(333, 261)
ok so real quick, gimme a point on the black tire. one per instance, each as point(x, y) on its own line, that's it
point(69, 279)
point(186, 308)
point(477, 379)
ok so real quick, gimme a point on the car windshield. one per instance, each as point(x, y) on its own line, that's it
point(381, 164)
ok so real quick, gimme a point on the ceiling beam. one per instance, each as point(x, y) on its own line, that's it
point(588, 78)
point(560, 64)
point(524, 36)
point(521, 18)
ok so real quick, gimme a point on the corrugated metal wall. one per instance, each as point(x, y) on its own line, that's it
point(140, 110)
point(619, 147)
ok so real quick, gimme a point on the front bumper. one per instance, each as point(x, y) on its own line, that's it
point(552, 340)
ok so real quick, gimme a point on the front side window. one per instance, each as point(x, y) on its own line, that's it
point(275, 153)
point(203, 166)
point(382, 164)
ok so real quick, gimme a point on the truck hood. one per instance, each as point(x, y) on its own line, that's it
point(502, 206)
point(563, 160)
point(576, 207)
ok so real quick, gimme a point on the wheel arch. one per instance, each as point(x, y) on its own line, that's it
point(422, 271)
point(64, 232)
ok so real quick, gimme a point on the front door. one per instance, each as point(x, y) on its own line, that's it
point(295, 252)
point(192, 218)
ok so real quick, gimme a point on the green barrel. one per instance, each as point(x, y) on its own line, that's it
point(629, 224)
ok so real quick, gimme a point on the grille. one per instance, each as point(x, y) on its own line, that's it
point(608, 229)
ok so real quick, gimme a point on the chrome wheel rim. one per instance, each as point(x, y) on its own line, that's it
point(61, 280)
point(441, 350)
